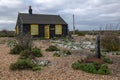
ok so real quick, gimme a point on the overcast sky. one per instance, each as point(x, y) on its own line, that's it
point(89, 14)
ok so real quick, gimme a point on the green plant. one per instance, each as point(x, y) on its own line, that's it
point(26, 54)
point(97, 65)
point(21, 64)
point(56, 55)
point(104, 70)
point(77, 65)
point(36, 68)
point(6, 33)
point(16, 50)
point(107, 60)
point(52, 48)
point(94, 67)
point(67, 52)
point(117, 53)
point(110, 41)
point(89, 68)
point(36, 52)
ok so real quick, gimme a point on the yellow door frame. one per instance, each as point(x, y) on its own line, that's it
point(47, 31)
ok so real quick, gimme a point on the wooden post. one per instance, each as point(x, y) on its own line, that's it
point(97, 49)
point(73, 25)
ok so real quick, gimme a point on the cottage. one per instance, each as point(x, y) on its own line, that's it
point(41, 25)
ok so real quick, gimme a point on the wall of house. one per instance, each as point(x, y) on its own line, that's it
point(27, 29)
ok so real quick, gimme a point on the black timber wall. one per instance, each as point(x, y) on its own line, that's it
point(26, 29)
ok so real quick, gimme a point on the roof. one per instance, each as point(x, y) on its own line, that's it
point(40, 19)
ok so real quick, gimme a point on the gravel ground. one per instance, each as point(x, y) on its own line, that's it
point(60, 70)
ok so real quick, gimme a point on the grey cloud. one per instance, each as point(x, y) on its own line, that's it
point(89, 14)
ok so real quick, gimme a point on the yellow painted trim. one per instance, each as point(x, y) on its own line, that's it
point(16, 30)
point(47, 31)
point(58, 29)
point(34, 29)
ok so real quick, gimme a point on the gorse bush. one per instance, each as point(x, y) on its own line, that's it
point(56, 55)
point(26, 54)
point(17, 49)
point(36, 52)
point(104, 69)
point(23, 64)
point(52, 48)
point(67, 52)
point(90, 68)
point(32, 53)
point(77, 66)
point(95, 68)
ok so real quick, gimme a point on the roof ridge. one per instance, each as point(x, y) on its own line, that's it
point(39, 14)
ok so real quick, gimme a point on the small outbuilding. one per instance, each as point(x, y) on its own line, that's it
point(41, 25)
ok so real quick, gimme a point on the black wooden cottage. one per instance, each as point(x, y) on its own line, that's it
point(41, 25)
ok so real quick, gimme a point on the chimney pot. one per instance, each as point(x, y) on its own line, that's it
point(30, 10)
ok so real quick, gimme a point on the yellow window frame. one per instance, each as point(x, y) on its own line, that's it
point(58, 29)
point(34, 29)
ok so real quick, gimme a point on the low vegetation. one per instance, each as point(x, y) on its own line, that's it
point(34, 52)
point(110, 41)
point(61, 53)
point(52, 48)
point(107, 60)
point(17, 49)
point(56, 54)
point(6, 33)
point(27, 53)
point(95, 68)
point(23, 64)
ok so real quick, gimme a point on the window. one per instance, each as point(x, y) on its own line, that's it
point(58, 29)
point(34, 30)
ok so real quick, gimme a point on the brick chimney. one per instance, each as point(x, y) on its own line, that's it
point(30, 10)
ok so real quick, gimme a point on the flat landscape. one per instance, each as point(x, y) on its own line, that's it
point(60, 68)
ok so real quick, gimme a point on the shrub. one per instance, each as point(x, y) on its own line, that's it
point(56, 55)
point(107, 60)
point(36, 68)
point(52, 48)
point(36, 52)
point(110, 41)
point(89, 68)
point(17, 49)
point(23, 64)
point(26, 54)
point(79, 33)
point(25, 40)
point(77, 65)
point(95, 67)
point(67, 52)
point(6, 33)
point(104, 70)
